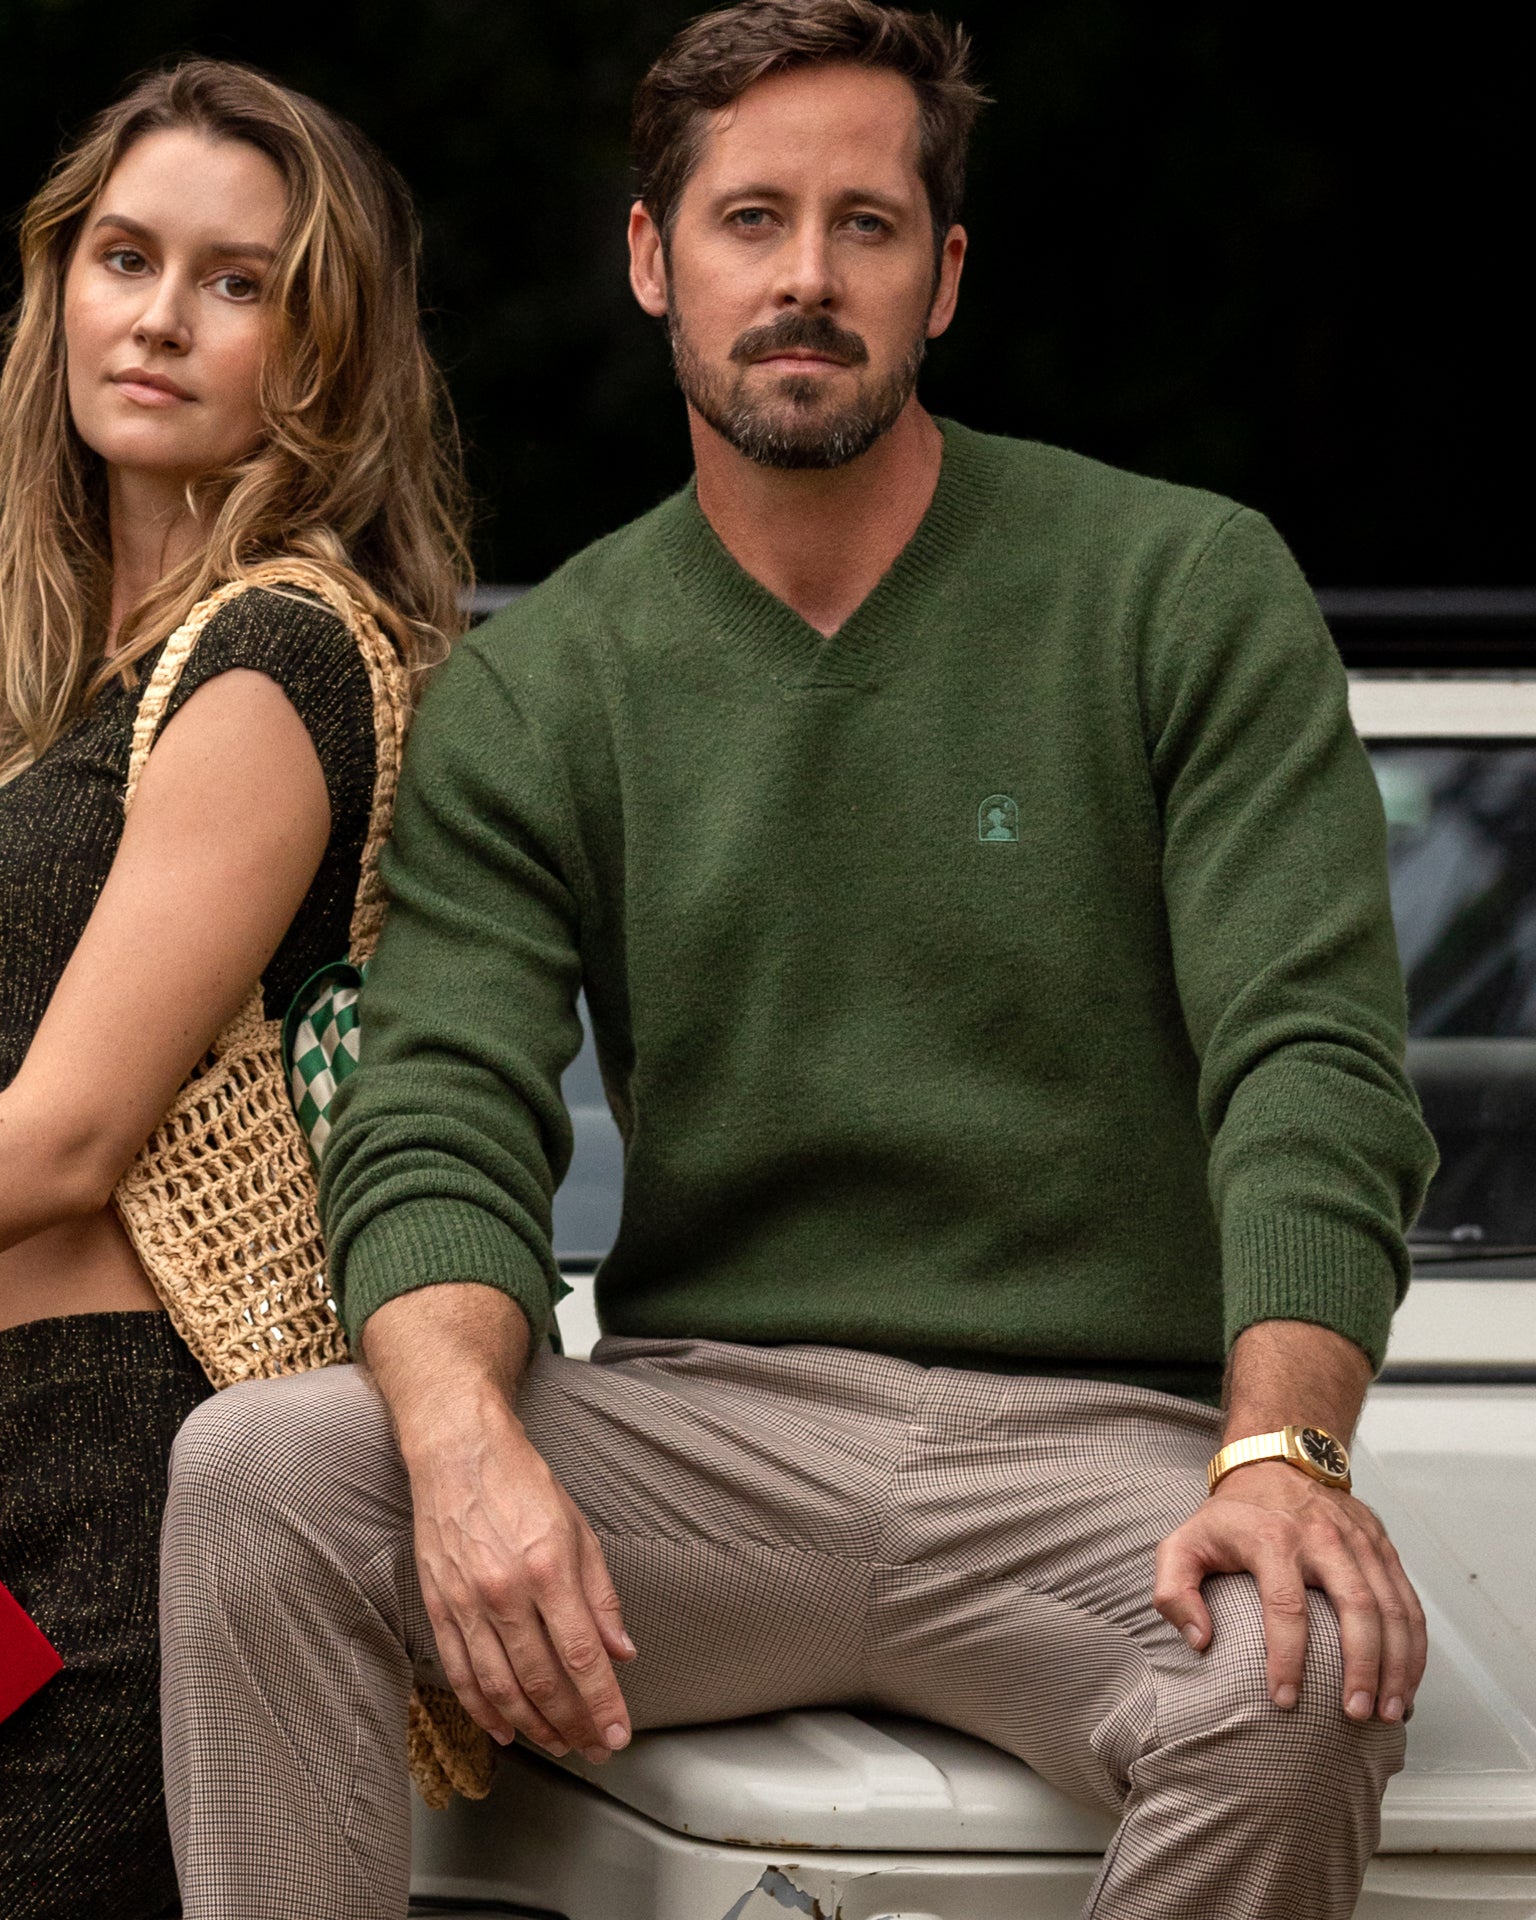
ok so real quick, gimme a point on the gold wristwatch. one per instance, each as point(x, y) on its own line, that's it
point(1316, 1453)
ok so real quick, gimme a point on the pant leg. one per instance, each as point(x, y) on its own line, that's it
point(291, 1625)
point(785, 1527)
point(736, 1525)
point(89, 1405)
point(1014, 1600)
point(738, 1494)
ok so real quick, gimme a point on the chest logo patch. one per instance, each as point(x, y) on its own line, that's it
point(997, 820)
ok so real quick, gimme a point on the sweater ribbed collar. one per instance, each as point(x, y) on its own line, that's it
point(795, 653)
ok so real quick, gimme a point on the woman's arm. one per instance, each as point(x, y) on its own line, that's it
point(224, 838)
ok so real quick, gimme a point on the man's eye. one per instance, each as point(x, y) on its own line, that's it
point(125, 260)
point(237, 286)
point(753, 218)
point(870, 223)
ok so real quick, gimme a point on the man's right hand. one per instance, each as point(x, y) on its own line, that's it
point(527, 1622)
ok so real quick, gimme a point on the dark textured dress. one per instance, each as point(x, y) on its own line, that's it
point(89, 1403)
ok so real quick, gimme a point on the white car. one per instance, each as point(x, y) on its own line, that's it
point(854, 1816)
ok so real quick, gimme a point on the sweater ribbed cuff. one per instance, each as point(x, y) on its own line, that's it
point(424, 1243)
point(1300, 1267)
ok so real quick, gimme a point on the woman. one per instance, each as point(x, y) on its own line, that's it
point(217, 361)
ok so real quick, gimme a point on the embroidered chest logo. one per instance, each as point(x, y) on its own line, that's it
point(997, 820)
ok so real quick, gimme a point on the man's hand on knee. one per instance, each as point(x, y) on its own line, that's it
point(526, 1619)
point(1291, 1534)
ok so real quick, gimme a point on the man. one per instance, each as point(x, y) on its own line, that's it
point(980, 897)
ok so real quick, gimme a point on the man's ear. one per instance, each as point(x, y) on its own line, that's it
point(647, 262)
point(947, 292)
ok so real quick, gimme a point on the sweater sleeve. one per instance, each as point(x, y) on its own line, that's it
point(1275, 877)
point(452, 1136)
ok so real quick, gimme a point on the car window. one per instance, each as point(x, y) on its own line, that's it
point(1461, 821)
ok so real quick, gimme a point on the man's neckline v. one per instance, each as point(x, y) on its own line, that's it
point(798, 655)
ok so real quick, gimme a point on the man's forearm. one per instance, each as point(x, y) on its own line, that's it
point(1285, 1372)
point(445, 1355)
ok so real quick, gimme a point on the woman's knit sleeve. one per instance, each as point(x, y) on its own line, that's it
point(308, 651)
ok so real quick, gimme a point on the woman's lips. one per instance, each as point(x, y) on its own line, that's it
point(148, 392)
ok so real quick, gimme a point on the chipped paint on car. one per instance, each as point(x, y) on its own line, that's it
point(778, 1886)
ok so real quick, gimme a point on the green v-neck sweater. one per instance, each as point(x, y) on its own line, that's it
point(1006, 981)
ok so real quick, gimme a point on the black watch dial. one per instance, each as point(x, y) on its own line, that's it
point(1324, 1452)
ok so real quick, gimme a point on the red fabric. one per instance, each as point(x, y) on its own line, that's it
point(27, 1661)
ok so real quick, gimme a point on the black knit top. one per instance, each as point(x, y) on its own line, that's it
point(62, 819)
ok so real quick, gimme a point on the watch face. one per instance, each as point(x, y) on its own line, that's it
point(1323, 1451)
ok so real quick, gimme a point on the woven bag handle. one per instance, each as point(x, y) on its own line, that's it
point(391, 706)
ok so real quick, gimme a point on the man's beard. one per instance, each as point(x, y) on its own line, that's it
point(793, 425)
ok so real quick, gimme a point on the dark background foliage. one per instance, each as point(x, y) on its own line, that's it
point(1268, 251)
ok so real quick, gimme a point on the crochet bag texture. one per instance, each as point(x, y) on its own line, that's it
point(220, 1203)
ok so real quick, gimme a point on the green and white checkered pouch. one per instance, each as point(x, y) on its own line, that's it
point(321, 1037)
point(320, 1044)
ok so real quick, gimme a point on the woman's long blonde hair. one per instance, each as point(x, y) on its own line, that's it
point(357, 471)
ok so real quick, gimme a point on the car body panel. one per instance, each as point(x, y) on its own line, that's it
point(549, 1844)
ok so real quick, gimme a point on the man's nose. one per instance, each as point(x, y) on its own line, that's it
point(807, 277)
point(164, 322)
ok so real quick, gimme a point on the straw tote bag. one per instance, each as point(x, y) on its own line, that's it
point(220, 1203)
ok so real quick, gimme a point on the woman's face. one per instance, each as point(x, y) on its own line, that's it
point(163, 318)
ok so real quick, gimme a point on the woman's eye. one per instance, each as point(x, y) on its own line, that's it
point(125, 260)
point(237, 286)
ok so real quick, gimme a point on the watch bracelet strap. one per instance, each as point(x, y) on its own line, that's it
point(1270, 1446)
point(1258, 1446)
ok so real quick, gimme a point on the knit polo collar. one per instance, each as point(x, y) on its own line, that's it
point(795, 653)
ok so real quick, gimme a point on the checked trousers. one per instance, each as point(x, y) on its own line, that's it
point(786, 1527)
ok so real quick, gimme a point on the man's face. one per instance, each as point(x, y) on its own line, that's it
point(798, 277)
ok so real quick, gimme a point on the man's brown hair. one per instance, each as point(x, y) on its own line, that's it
point(718, 56)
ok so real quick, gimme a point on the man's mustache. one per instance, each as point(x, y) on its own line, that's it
point(813, 332)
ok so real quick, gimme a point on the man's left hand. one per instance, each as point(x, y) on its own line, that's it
point(1291, 1533)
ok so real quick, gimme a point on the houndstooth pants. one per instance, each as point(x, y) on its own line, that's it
point(787, 1527)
